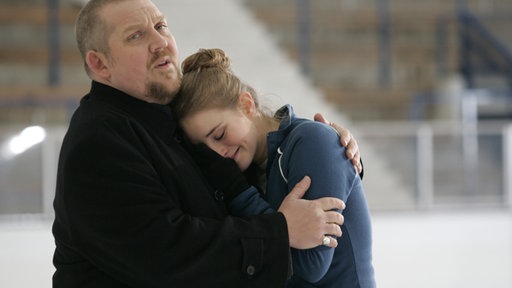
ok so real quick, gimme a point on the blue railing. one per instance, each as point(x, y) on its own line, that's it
point(304, 39)
point(481, 52)
point(53, 43)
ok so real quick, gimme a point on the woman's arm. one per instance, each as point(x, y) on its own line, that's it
point(313, 149)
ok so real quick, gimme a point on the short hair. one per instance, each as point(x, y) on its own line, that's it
point(91, 30)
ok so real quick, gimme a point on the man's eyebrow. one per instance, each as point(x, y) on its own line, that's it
point(135, 26)
point(160, 17)
point(131, 27)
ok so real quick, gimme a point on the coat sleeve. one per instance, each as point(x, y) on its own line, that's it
point(314, 150)
point(117, 214)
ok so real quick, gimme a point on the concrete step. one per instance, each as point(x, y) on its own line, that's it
point(260, 62)
point(29, 75)
point(345, 47)
point(25, 45)
point(36, 13)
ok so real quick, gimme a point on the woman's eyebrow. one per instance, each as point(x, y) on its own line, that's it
point(212, 130)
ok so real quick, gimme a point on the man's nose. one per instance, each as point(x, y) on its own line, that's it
point(158, 42)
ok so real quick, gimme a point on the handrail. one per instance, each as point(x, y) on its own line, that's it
point(426, 136)
point(478, 42)
point(425, 187)
point(53, 43)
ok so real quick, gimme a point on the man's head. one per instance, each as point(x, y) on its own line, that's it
point(126, 44)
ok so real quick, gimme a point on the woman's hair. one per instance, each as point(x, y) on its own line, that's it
point(208, 82)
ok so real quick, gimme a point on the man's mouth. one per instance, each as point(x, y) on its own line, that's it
point(163, 63)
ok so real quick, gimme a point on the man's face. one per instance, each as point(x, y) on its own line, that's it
point(143, 58)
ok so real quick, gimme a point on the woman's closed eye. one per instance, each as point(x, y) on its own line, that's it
point(219, 136)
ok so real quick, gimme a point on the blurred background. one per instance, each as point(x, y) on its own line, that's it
point(424, 86)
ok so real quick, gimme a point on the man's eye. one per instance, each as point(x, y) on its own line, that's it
point(161, 27)
point(135, 36)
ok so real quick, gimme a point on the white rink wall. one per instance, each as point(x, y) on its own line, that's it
point(411, 250)
point(443, 249)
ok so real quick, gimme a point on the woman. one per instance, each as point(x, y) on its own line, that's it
point(217, 109)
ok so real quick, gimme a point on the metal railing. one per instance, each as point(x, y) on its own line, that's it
point(428, 157)
point(432, 159)
point(481, 51)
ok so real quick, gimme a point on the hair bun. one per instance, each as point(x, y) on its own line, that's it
point(206, 58)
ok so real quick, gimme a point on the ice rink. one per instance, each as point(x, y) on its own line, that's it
point(411, 250)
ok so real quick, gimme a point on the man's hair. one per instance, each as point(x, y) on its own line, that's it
point(91, 30)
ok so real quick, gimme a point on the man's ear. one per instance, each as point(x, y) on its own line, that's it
point(98, 64)
point(246, 103)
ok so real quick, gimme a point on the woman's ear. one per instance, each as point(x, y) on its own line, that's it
point(98, 64)
point(246, 103)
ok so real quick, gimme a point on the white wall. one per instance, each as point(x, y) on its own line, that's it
point(470, 249)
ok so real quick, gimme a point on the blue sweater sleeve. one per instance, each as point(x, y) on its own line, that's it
point(314, 150)
point(249, 203)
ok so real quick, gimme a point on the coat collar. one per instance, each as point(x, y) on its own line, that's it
point(155, 117)
point(275, 138)
point(286, 116)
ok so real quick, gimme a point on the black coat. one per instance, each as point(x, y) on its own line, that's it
point(132, 209)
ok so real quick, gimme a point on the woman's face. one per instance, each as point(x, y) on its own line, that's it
point(229, 132)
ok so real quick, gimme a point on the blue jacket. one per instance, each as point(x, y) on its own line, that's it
point(303, 147)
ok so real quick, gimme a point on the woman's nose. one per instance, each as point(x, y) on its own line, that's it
point(222, 150)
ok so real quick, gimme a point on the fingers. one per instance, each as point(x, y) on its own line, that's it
point(352, 147)
point(346, 140)
point(330, 203)
point(332, 243)
point(356, 161)
point(320, 118)
point(332, 229)
point(333, 217)
point(345, 135)
point(300, 188)
point(309, 220)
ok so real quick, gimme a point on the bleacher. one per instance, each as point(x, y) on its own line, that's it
point(451, 244)
point(26, 66)
point(370, 60)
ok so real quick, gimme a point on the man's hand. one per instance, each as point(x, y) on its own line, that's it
point(346, 141)
point(309, 221)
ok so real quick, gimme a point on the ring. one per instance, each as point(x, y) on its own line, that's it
point(326, 241)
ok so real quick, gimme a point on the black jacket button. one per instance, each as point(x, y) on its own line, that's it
point(250, 270)
point(219, 196)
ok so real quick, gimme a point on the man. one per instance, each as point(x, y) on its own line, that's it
point(131, 208)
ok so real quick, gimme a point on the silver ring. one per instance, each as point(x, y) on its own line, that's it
point(326, 241)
